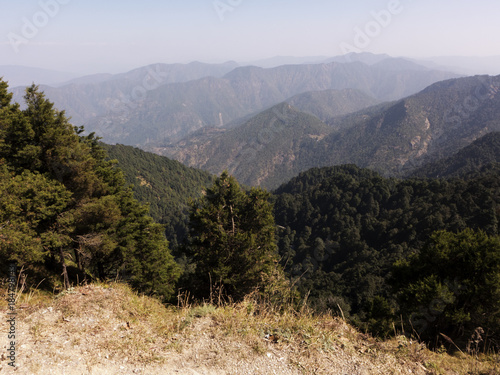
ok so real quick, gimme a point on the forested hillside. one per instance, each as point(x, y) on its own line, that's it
point(166, 185)
point(433, 124)
point(344, 228)
point(68, 216)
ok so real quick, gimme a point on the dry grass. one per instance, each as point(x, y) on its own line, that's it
point(108, 329)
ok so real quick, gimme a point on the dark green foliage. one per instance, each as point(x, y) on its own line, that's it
point(452, 286)
point(345, 227)
point(165, 185)
point(29, 204)
point(232, 239)
point(147, 262)
point(63, 206)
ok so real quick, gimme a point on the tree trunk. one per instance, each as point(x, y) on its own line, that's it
point(78, 258)
point(65, 271)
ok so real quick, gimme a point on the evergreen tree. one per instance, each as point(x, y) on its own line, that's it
point(63, 203)
point(29, 204)
point(232, 239)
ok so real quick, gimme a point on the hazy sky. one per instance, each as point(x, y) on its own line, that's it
point(88, 36)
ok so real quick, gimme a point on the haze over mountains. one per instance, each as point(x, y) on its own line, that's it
point(465, 65)
point(265, 125)
point(88, 97)
point(161, 103)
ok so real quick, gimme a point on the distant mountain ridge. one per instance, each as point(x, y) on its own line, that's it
point(430, 125)
point(176, 110)
point(328, 104)
point(391, 138)
point(266, 145)
point(465, 65)
point(93, 96)
point(163, 103)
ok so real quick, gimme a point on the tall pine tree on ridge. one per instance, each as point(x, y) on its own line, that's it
point(63, 206)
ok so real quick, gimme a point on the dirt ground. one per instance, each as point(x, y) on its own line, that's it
point(97, 330)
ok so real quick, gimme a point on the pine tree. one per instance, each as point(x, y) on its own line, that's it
point(63, 203)
point(232, 239)
point(29, 203)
